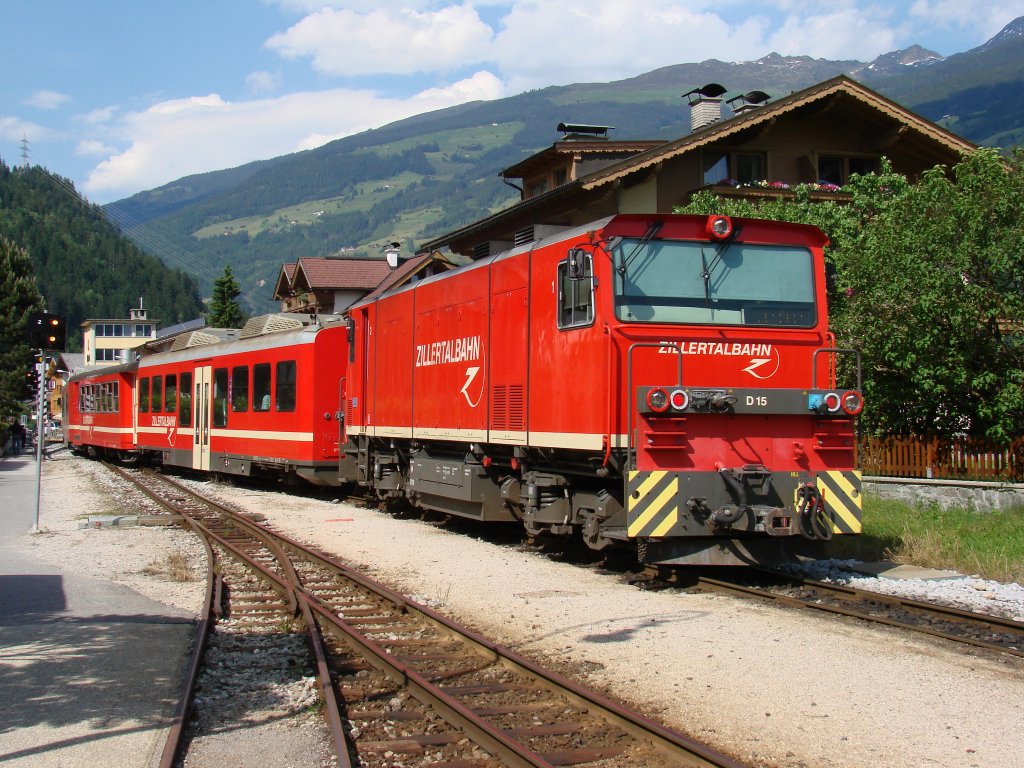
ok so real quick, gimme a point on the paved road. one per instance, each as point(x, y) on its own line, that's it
point(88, 668)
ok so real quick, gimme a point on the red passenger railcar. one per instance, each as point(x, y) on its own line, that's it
point(265, 405)
point(99, 412)
point(656, 379)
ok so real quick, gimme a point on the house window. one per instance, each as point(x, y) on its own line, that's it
point(742, 167)
point(837, 169)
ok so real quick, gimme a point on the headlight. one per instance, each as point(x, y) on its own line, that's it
point(853, 402)
point(657, 400)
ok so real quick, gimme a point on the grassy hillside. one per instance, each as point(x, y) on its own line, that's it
point(432, 173)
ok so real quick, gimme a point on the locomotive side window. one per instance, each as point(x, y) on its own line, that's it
point(284, 386)
point(261, 387)
point(171, 393)
point(157, 401)
point(575, 295)
point(240, 388)
point(115, 392)
point(185, 403)
point(144, 395)
point(220, 397)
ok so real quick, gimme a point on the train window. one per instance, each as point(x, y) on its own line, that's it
point(284, 386)
point(116, 396)
point(144, 395)
point(735, 283)
point(261, 387)
point(220, 397)
point(157, 395)
point(185, 403)
point(240, 388)
point(171, 393)
point(575, 296)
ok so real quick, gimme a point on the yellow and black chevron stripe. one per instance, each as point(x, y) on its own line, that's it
point(841, 495)
point(653, 504)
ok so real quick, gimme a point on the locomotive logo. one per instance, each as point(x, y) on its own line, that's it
point(764, 367)
point(458, 350)
point(471, 374)
point(764, 358)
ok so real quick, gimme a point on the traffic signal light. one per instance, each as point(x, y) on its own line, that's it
point(47, 331)
point(32, 382)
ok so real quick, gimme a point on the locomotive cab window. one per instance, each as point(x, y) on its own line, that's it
point(220, 397)
point(284, 386)
point(725, 283)
point(576, 293)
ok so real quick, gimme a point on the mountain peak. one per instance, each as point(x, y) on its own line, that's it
point(895, 61)
point(1012, 31)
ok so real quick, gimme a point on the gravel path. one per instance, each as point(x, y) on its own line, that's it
point(770, 686)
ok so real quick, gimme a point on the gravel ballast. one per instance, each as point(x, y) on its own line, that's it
point(770, 686)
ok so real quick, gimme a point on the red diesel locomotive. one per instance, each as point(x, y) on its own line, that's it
point(664, 380)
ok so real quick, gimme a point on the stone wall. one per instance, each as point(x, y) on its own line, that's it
point(982, 497)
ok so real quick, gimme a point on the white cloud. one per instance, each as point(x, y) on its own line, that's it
point(47, 100)
point(186, 136)
point(396, 41)
point(986, 18)
point(839, 33)
point(97, 116)
point(612, 40)
point(263, 83)
point(93, 148)
point(15, 129)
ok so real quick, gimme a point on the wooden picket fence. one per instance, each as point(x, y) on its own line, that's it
point(956, 459)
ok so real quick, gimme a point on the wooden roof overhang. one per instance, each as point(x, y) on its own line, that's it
point(887, 125)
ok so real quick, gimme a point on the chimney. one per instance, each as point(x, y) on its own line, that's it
point(748, 102)
point(580, 132)
point(705, 105)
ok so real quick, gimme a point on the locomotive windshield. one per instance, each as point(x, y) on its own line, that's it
point(729, 283)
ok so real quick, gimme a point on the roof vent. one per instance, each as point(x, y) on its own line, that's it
point(537, 232)
point(748, 102)
point(705, 105)
point(580, 132)
point(199, 338)
point(281, 321)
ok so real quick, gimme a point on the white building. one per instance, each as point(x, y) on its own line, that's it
point(108, 342)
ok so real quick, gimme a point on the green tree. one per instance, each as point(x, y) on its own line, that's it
point(19, 298)
point(929, 289)
point(225, 311)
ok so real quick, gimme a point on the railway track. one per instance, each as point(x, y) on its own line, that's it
point(401, 682)
point(993, 633)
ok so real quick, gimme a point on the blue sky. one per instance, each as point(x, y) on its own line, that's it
point(125, 95)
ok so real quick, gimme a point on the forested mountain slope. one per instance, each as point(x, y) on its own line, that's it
point(84, 267)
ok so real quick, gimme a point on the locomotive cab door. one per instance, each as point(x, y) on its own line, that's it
point(201, 417)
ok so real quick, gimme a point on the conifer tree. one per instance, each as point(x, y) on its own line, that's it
point(225, 311)
point(19, 298)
